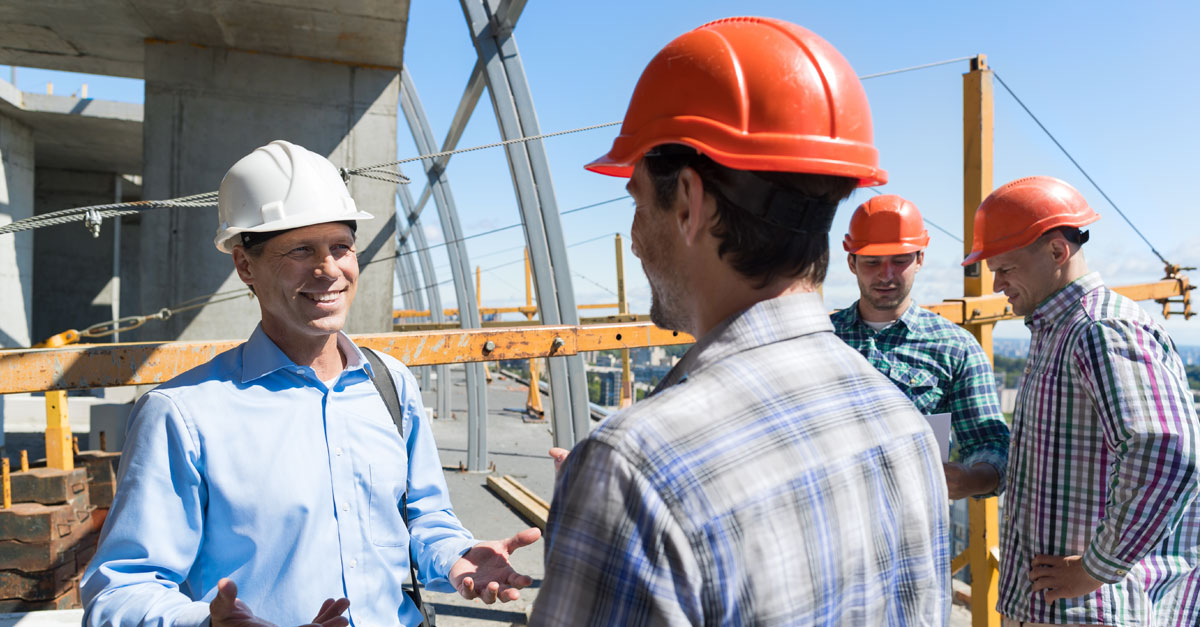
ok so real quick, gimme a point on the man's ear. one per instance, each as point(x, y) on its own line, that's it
point(692, 212)
point(850, 261)
point(1060, 250)
point(920, 260)
point(241, 262)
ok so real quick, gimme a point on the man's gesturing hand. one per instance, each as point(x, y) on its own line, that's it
point(226, 610)
point(559, 455)
point(485, 572)
point(1062, 577)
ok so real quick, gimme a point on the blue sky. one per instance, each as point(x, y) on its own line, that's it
point(1110, 79)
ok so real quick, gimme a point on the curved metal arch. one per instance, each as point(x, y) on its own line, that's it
point(421, 245)
point(460, 267)
point(491, 23)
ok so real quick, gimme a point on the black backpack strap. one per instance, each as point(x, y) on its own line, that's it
point(386, 385)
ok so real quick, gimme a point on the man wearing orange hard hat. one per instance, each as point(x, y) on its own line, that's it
point(937, 364)
point(773, 476)
point(1101, 522)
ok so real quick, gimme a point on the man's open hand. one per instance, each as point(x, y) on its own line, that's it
point(485, 572)
point(1062, 577)
point(226, 610)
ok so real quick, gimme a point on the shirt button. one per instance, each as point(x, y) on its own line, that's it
point(345, 507)
point(353, 563)
point(299, 370)
point(1121, 573)
point(338, 451)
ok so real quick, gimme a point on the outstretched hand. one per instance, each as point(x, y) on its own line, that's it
point(485, 572)
point(226, 610)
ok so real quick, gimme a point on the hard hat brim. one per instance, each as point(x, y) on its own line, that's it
point(777, 155)
point(228, 238)
point(885, 250)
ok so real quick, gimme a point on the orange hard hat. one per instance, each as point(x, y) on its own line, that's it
point(1019, 212)
point(751, 93)
point(886, 225)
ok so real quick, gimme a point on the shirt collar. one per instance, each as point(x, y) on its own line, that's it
point(910, 318)
point(1063, 300)
point(765, 322)
point(261, 356)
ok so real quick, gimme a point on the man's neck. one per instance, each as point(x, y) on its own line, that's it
point(320, 352)
point(871, 314)
point(716, 300)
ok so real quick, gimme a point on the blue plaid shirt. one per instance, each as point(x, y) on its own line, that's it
point(942, 369)
point(775, 477)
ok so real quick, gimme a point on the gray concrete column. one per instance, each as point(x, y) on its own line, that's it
point(207, 107)
point(16, 250)
point(72, 287)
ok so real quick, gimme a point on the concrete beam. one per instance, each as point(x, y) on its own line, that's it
point(108, 36)
point(78, 133)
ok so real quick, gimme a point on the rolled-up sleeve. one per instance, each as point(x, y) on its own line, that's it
point(151, 536)
point(1140, 392)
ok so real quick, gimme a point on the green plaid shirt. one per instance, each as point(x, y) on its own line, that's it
point(942, 369)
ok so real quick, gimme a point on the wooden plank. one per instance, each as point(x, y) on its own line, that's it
point(530, 493)
point(532, 510)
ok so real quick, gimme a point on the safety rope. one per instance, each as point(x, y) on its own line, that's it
point(129, 323)
point(1080, 168)
point(380, 172)
point(915, 67)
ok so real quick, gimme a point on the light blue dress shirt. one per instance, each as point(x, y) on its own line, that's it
point(249, 467)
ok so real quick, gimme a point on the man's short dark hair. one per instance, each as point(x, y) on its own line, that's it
point(769, 224)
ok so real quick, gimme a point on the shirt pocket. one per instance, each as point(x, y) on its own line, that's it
point(386, 523)
point(920, 386)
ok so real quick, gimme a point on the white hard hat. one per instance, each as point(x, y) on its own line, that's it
point(277, 187)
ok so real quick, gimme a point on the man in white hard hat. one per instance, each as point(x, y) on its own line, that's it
point(278, 466)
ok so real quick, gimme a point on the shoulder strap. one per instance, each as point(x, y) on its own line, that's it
point(386, 385)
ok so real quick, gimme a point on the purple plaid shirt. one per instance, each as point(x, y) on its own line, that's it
point(1103, 465)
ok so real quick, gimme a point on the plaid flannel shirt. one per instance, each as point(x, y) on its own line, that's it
point(774, 478)
point(1103, 465)
point(941, 368)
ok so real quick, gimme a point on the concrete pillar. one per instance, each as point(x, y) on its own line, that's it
point(207, 107)
point(16, 250)
point(72, 286)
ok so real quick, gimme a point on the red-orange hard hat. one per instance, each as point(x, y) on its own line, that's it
point(886, 225)
point(751, 93)
point(1019, 212)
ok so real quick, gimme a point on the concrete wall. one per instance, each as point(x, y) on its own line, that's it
point(16, 250)
point(72, 270)
point(207, 107)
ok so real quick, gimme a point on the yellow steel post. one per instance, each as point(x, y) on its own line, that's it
point(58, 432)
point(623, 308)
point(984, 529)
point(7, 496)
point(24, 461)
point(534, 404)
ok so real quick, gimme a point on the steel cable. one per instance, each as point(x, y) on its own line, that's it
point(1079, 167)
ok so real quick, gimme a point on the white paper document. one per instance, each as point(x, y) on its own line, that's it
point(940, 423)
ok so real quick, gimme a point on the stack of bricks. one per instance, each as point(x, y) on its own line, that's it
point(49, 534)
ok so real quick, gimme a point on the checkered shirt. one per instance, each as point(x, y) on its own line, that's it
point(942, 369)
point(774, 478)
point(1103, 465)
